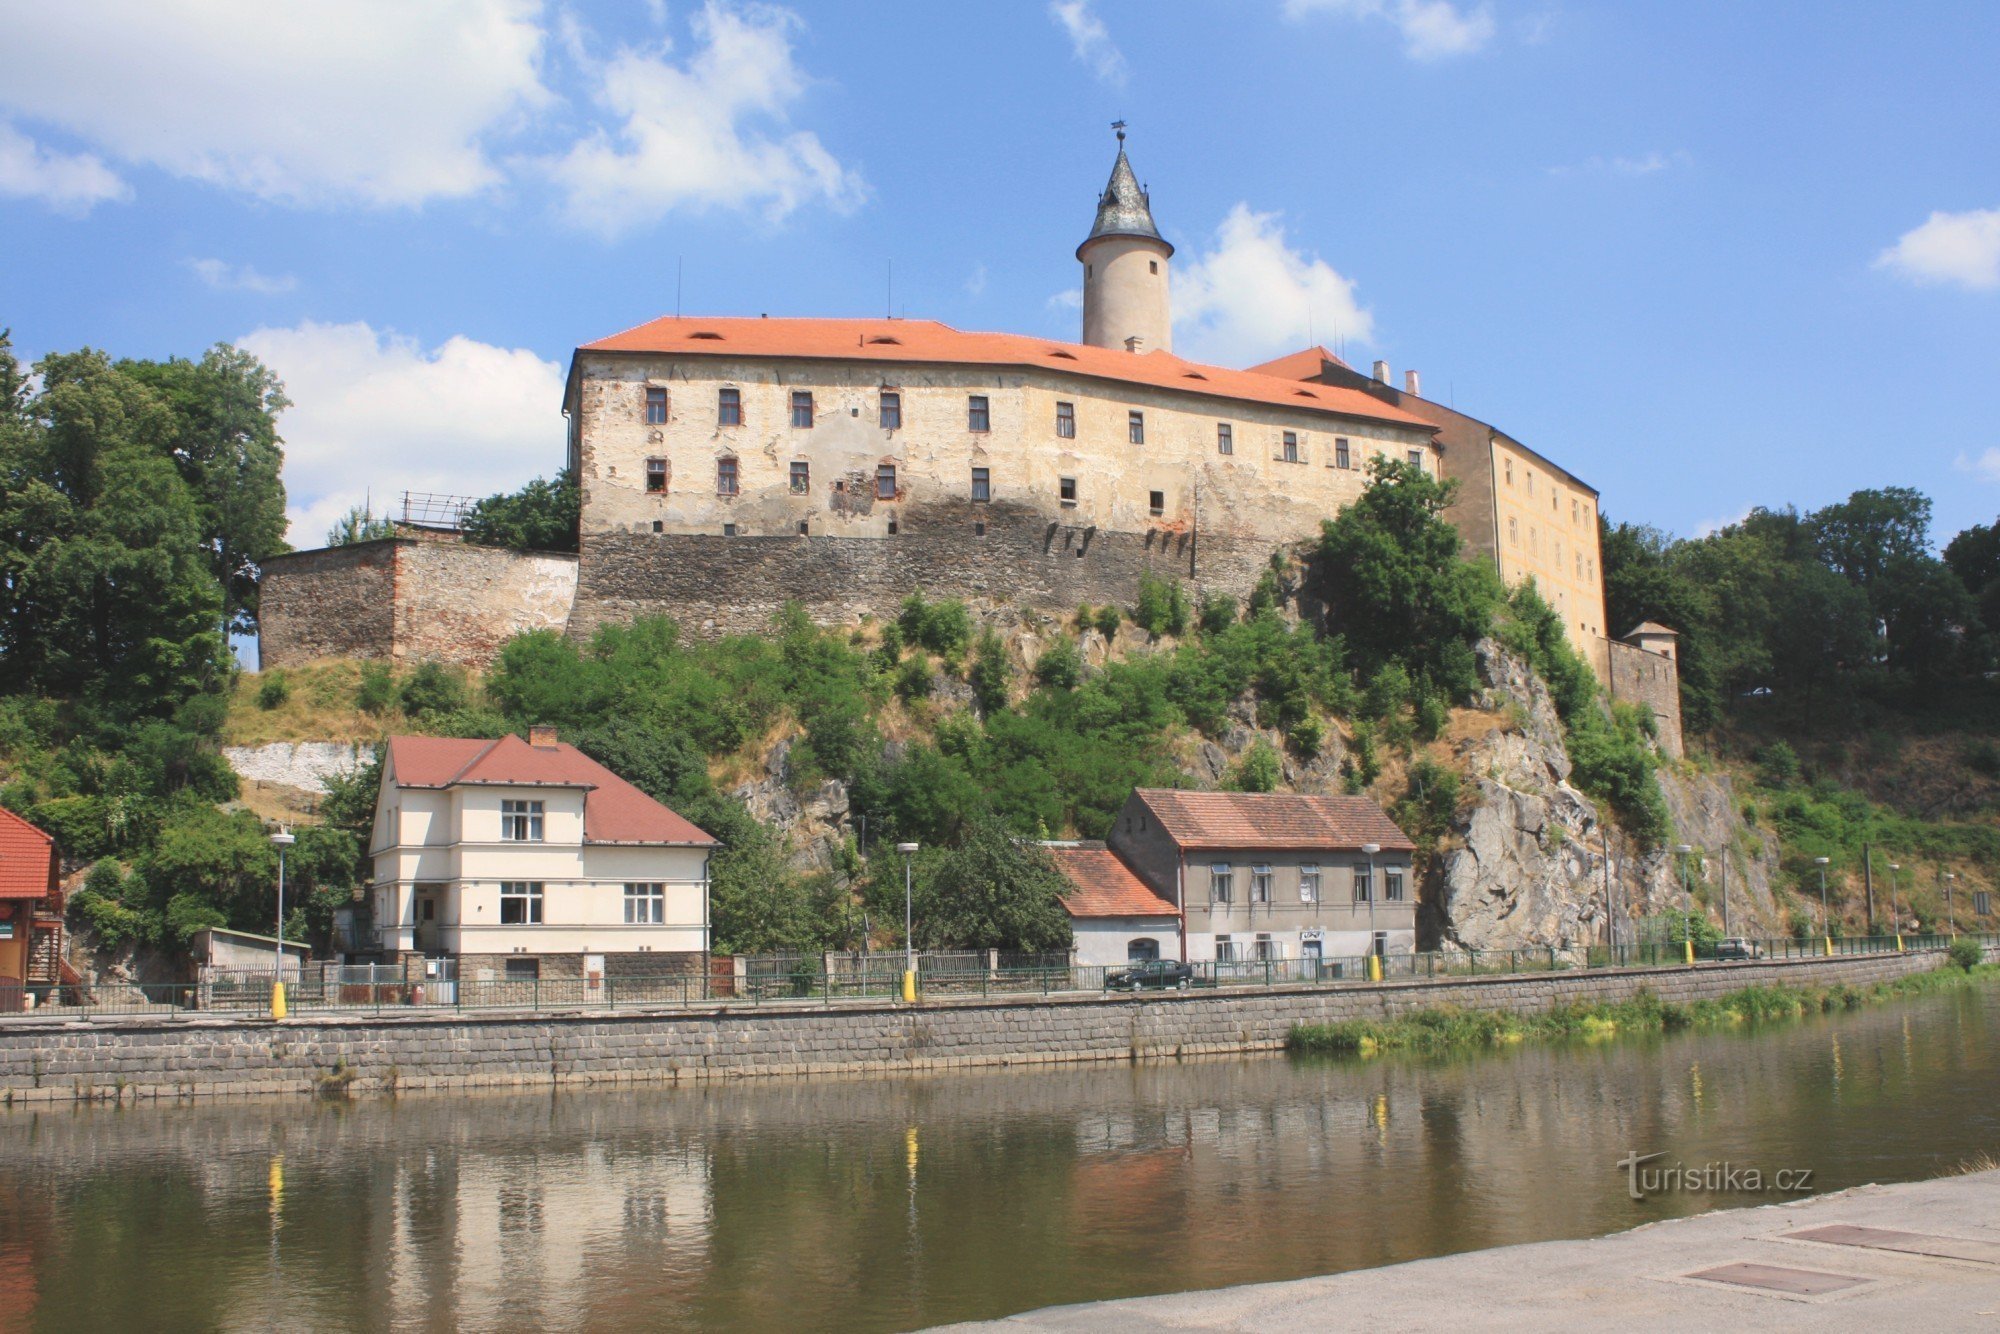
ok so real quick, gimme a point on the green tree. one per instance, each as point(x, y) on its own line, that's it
point(358, 525)
point(987, 892)
point(1398, 588)
point(222, 435)
point(541, 516)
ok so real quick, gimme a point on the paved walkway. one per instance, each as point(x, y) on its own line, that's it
point(1921, 1256)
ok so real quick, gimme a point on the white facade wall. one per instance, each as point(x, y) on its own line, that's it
point(445, 848)
point(1106, 941)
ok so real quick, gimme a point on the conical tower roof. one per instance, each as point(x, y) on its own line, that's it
point(1123, 209)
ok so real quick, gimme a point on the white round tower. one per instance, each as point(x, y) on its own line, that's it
point(1125, 301)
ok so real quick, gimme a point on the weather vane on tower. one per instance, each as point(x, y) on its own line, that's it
point(1119, 126)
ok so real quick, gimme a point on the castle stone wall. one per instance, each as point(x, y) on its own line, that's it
point(408, 600)
point(731, 585)
point(1638, 676)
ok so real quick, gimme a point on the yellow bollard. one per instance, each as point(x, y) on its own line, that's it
point(910, 988)
point(1899, 942)
point(1690, 951)
point(1829, 947)
point(277, 1000)
point(1374, 968)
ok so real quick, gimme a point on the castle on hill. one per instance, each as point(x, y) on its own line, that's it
point(730, 465)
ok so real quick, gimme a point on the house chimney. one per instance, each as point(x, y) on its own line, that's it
point(542, 737)
point(1410, 384)
point(1382, 372)
point(1135, 343)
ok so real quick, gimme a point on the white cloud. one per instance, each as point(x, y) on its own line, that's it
point(1431, 29)
point(1645, 164)
point(1252, 296)
point(1090, 40)
point(310, 102)
point(976, 284)
point(1984, 465)
point(1960, 248)
point(226, 277)
point(707, 133)
point(1070, 298)
point(375, 412)
point(71, 183)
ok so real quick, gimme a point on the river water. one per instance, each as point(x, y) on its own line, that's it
point(894, 1203)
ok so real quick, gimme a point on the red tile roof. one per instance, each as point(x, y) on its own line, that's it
point(1273, 820)
point(1304, 364)
point(613, 810)
point(27, 859)
point(927, 342)
point(1106, 887)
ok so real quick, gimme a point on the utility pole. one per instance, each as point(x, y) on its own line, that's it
point(1868, 883)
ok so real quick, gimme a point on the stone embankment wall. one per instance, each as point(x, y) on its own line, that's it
point(408, 599)
point(53, 1061)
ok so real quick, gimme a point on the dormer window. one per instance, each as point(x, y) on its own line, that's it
point(521, 821)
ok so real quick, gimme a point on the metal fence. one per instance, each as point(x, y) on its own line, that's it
point(874, 978)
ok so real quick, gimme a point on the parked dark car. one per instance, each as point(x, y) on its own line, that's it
point(1154, 974)
point(1736, 947)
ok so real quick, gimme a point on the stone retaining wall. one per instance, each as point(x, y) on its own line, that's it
point(61, 1061)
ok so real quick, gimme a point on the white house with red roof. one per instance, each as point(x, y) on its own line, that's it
point(1241, 877)
point(525, 859)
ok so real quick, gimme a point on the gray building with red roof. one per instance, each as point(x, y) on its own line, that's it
point(1240, 877)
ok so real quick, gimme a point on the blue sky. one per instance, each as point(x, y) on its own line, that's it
point(1705, 255)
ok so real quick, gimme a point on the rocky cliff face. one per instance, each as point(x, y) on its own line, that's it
point(1533, 863)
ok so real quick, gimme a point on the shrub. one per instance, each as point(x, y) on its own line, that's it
point(913, 678)
point(1258, 770)
point(1778, 764)
point(1162, 607)
point(434, 690)
point(274, 689)
point(1306, 736)
point(1107, 622)
point(1060, 667)
point(945, 628)
point(1218, 613)
point(377, 691)
point(991, 672)
point(1966, 953)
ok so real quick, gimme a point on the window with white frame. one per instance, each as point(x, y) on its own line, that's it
point(1221, 882)
point(520, 902)
point(1309, 884)
point(1265, 950)
point(521, 821)
point(1225, 950)
point(1392, 884)
point(1362, 889)
point(645, 904)
point(1260, 884)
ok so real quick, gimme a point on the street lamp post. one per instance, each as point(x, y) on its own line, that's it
point(1369, 850)
point(281, 840)
point(1951, 919)
point(1825, 914)
point(1683, 851)
point(1895, 918)
point(909, 942)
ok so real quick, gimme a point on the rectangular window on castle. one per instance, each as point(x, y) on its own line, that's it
point(892, 411)
point(520, 902)
point(977, 415)
point(1513, 531)
point(802, 409)
point(982, 486)
point(1225, 438)
point(1135, 427)
point(1291, 446)
point(1573, 511)
point(801, 477)
point(1067, 490)
point(656, 407)
point(1510, 471)
point(1156, 502)
point(885, 482)
point(725, 477)
point(1066, 421)
point(646, 904)
point(1341, 457)
point(656, 476)
point(729, 407)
